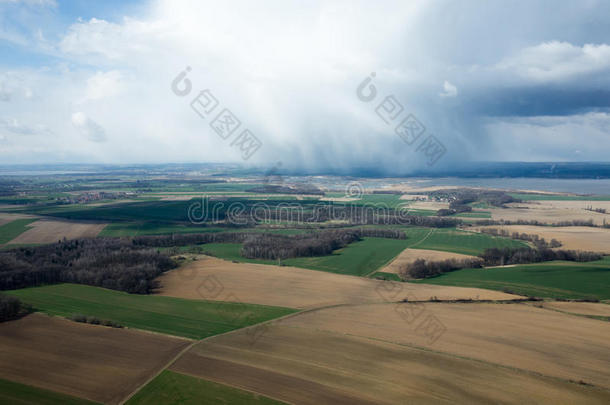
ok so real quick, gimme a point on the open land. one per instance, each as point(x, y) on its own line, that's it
point(309, 329)
point(299, 288)
point(410, 255)
point(93, 362)
point(299, 363)
point(571, 237)
point(179, 317)
point(557, 279)
point(48, 231)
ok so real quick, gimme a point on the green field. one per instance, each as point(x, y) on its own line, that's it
point(158, 211)
point(550, 279)
point(119, 229)
point(380, 200)
point(193, 319)
point(10, 231)
point(358, 258)
point(473, 214)
point(171, 388)
point(146, 211)
point(19, 394)
point(365, 256)
point(456, 241)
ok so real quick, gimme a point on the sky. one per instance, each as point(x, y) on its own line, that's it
point(314, 85)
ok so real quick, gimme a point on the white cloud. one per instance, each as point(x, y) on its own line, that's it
point(103, 84)
point(449, 90)
point(88, 128)
point(554, 61)
point(289, 71)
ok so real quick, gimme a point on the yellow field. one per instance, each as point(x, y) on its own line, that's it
point(410, 255)
point(299, 288)
point(49, 231)
point(571, 237)
point(550, 212)
point(583, 308)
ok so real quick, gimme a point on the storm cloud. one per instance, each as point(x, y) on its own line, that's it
point(526, 80)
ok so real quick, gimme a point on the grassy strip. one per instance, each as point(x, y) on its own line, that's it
point(382, 275)
point(21, 394)
point(558, 279)
point(171, 388)
point(195, 319)
point(10, 231)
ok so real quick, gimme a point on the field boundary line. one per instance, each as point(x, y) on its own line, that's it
point(190, 346)
point(155, 375)
point(232, 386)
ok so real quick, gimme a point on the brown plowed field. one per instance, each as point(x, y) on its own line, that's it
point(49, 231)
point(307, 366)
point(584, 308)
point(410, 255)
point(299, 288)
point(514, 335)
point(93, 362)
point(550, 212)
point(571, 237)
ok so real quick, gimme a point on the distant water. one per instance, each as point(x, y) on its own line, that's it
point(577, 186)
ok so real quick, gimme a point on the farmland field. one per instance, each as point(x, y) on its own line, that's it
point(335, 329)
point(558, 197)
point(11, 230)
point(514, 335)
point(358, 258)
point(571, 237)
point(171, 388)
point(300, 364)
point(550, 279)
point(173, 316)
point(410, 255)
point(21, 394)
point(456, 241)
point(370, 254)
point(119, 229)
point(97, 363)
point(296, 287)
point(49, 231)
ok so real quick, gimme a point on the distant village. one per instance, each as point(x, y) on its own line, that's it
point(92, 196)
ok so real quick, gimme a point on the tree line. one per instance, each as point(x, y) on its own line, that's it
point(504, 256)
point(575, 222)
point(116, 264)
point(277, 246)
point(421, 268)
point(494, 257)
point(538, 241)
point(12, 308)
